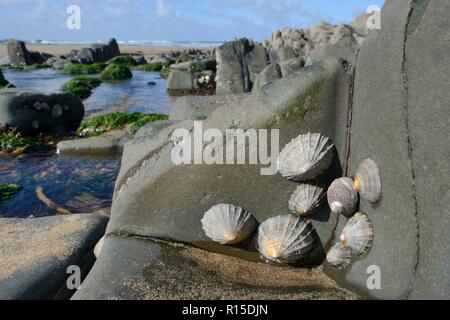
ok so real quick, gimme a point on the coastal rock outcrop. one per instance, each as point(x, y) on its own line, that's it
point(96, 53)
point(401, 82)
point(238, 64)
point(20, 56)
point(192, 77)
point(34, 112)
point(3, 82)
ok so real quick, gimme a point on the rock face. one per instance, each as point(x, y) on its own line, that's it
point(401, 79)
point(322, 41)
point(33, 112)
point(37, 252)
point(96, 53)
point(3, 82)
point(136, 269)
point(238, 64)
point(192, 77)
point(20, 56)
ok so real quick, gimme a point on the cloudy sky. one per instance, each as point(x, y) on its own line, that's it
point(173, 20)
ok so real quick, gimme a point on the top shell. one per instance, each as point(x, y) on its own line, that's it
point(228, 224)
point(305, 157)
point(368, 181)
point(285, 238)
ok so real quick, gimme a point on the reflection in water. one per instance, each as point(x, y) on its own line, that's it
point(80, 184)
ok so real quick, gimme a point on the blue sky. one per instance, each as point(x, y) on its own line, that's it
point(173, 20)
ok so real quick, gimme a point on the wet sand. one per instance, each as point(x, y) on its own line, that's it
point(58, 49)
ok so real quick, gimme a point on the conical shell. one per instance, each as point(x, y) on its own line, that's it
point(342, 197)
point(357, 234)
point(305, 199)
point(228, 224)
point(305, 157)
point(368, 181)
point(339, 256)
point(285, 238)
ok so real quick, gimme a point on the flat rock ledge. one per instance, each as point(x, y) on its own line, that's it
point(143, 269)
point(36, 253)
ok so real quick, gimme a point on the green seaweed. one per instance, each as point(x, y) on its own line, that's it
point(147, 119)
point(7, 191)
point(126, 61)
point(165, 72)
point(116, 121)
point(150, 67)
point(83, 69)
point(116, 73)
point(81, 86)
point(299, 107)
point(11, 143)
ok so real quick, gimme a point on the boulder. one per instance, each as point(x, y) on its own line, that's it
point(180, 82)
point(400, 86)
point(96, 53)
point(34, 112)
point(36, 253)
point(238, 64)
point(20, 56)
point(268, 75)
point(311, 101)
point(139, 269)
point(3, 82)
point(289, 66)
point(195, 65)
point(281, 54)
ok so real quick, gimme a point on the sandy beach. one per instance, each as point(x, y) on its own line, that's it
point(58, 49)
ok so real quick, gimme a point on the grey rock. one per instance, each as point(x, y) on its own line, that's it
point(238, 64)
point(197, 64)
point(268, 75)
point(33, 112)
point(36, 253)
point(289, 66)
point(138, 269)
point(180, 82)
point(147, 168)
point(402, 91)
point(96, 53)
point(5, 61)
point(140, 60)
point(20, 56)
point(282, 54)
point(110, 144)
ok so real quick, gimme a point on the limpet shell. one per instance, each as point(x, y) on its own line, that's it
point(306, 198)
point(228, 224)
point(285, 238)
point(357, 234)
point(339, 256)
point(367, 181)
point(342, 197)
point(305, 157)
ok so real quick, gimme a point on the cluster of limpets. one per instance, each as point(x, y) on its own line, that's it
point(289, 238)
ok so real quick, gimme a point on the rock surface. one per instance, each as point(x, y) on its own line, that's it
point(238, 64)
point(20, 56)
point(400, 83)
point(111, 144)
point(96, 53)
point(34, 112)
point(139, 269)
point(36, 253)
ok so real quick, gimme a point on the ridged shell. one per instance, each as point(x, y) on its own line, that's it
point(285, 238)
point(357, 234)
point(339, 256)
point(368, 181)
point(305, 157)
point(305, 199)
point(342, 197)
point(228, 224)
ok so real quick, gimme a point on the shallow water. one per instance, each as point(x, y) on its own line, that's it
point(134, 95)
point(79, 184)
